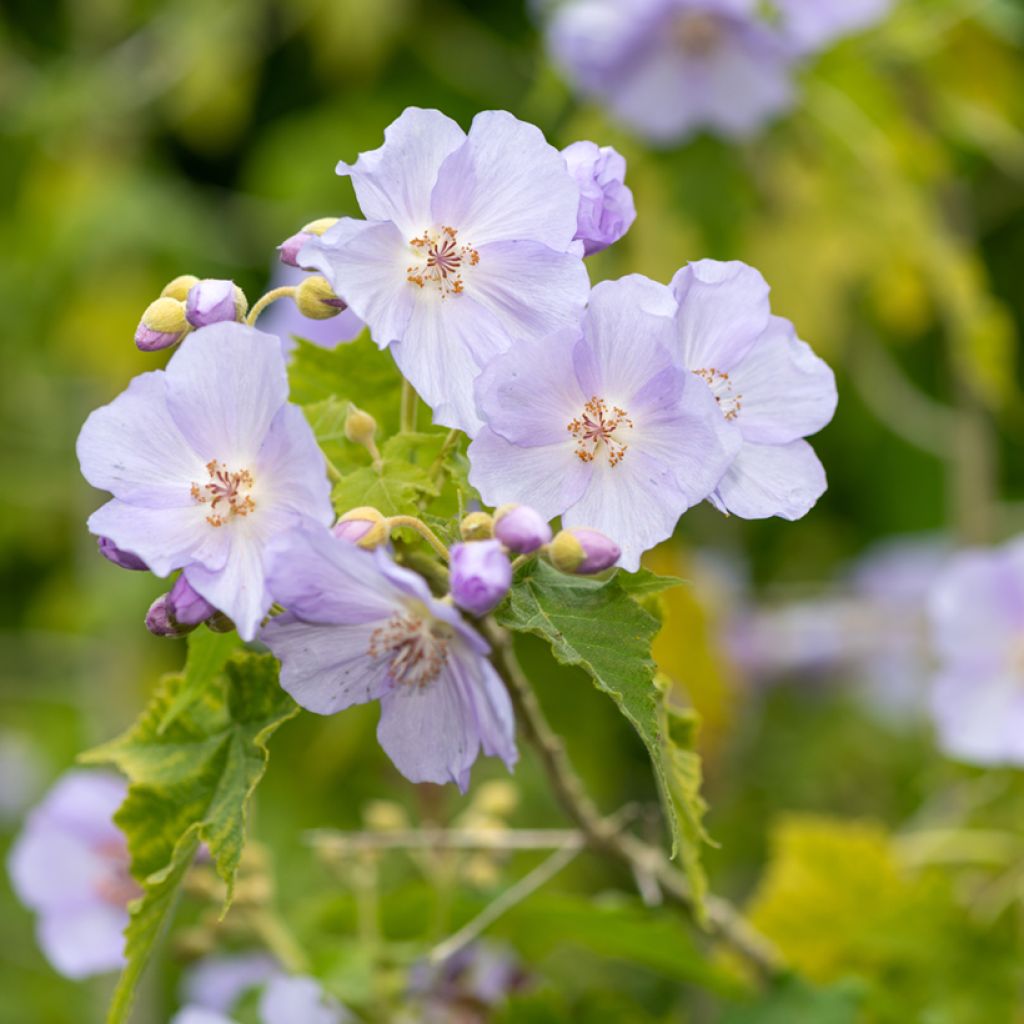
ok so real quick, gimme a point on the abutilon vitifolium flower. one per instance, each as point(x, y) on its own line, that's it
point(977, 623)
point(467, 248)
point(360, 628)
point(606, 203)
point(207, 462)
point(70, 865)
point(601, 424)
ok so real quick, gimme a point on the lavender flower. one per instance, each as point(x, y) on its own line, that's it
point(359, 628)
point(668, 68)
point(771, 389)
point(207, 462)
point(285, 1000)
point(606, 209)
point(601, 424)
point(70, 865)
point(218, 982)
point(521, 529)
point(467, 248)
point(480, 575)
point(813, 24)
point(977, 623)
point(213, 301)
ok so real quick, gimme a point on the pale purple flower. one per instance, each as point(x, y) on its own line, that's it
point(179, 611)
point(285, 1000)
point(771, 389)
point(601, 424)
point(124, 559)
point(977, 622)
point(813, 24)
point(481, 575)
point(668, 68)
point(284, 319)
point(70, 865)
point(606, 209)
point(218, 982)
point(213, 301)
point(360, 628)
point(467, 249)
point(521, 529)
point(207, 462)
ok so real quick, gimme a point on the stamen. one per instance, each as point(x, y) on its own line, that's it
point(444, 260)
point(226, 493)
point(696, 33)
point(721, 387)
point(596, 427)
point(417, 649)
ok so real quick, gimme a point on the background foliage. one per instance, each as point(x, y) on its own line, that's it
point(140, 140)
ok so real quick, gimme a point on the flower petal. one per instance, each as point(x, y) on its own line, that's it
point(239, 589)
point(772, 480)
point(505, 183)
point(291, 1000)
point(484, 691)
point(225, 384)
point(395, 181)
point(87, 941)
point(786, 391)
point(980, 716)
point(723, 310)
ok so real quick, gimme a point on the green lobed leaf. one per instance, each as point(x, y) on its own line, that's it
point(598, 626)
point(208, 653)
point(189, 783)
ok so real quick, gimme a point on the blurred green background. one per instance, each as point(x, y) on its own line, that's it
point(142, 140)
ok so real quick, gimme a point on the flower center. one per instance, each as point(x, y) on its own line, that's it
point(415, 648)
point(599, 427)
point(696, 34)
point(226, 492)
point(116, 886)
point(443, 260)
point(721, 387)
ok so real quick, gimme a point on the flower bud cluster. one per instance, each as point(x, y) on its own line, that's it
point(186, 304)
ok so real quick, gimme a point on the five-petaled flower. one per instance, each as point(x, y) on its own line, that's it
point(360, 628)
point(467, 249)
point(207, 461)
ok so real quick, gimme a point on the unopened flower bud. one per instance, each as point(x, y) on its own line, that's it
point(179, 611)
point(364, 526)
point(477, 526)
point(162, 325)
point(521, 529)
point(180, 287)
point(316, 299)
point(583, 551)
point(125, 559)
point(360, 427)
point(481, 575)
point(213, 301)
point(289, 248)
point(606, 208)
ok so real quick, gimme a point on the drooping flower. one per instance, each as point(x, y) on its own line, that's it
point(606, 203)
point(977, 625)
point(771, 389)
point(601, 424)
point(207, 461)
point(668, 68)
point(813, 24)
point(284, 319)
point(481, 575)
point(70, 865)
point(467, 249)
point(360, 628)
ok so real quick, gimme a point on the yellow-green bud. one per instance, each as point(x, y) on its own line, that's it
point(162, 325)
point(384, 816)
point(179, 287)
point(566, 552)
point(497, 798)
point(320, 225)
point(316, 299)
point(364, 526)
point(477, 526)
point(360, 426)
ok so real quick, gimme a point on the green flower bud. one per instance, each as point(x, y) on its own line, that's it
point(316, 299)
point(360, 427)
point(566, 552)
point(477, 526)
point(179, 287)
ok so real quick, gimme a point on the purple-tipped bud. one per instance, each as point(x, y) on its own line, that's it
point(481, 575)
point(178, 612)
point(352, 530)
point(583, 551)
point(364, 526)
point(521, 529)
point(214, 301)
point(289, 248)
point(606, 208)
point(162, 325)
point(125, 559)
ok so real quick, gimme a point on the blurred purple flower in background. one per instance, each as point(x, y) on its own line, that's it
point(814, 24)
point(601, 424)
point(70, 865)
point(606, 209)
point(207, 461)
point(977, 620)
point(218, 982)
point(467, 248)
point(284, 1000)
point(668, 68)
point(360, 628)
